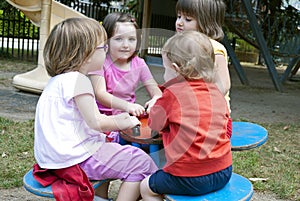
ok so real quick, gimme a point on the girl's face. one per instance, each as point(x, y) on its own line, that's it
point(170, 73)
point(185, 23)
point(96, 61)
point(123, 43)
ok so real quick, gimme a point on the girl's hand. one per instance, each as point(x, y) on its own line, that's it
point(149, 104)
point(125, 121)
point(135, 109)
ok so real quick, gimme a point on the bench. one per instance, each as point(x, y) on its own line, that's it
point(238, 188)
point(34, 187)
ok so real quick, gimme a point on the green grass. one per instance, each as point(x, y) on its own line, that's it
point(16, 148)
point(278, 160)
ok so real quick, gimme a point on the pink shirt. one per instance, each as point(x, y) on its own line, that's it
point(123, 84)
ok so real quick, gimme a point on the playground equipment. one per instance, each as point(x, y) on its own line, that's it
point(45, 14)
point(261, 24)
point(258, 22)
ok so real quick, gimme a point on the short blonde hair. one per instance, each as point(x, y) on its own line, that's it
point(71, 43)
point(193, 53)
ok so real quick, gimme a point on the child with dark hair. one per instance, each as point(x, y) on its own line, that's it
point(123, 70)
point(207, 17)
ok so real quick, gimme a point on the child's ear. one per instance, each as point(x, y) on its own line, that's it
point(175, 67)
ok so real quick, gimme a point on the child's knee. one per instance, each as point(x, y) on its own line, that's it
point(144, 187)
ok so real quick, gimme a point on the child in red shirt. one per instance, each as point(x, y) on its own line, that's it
point(192, 117)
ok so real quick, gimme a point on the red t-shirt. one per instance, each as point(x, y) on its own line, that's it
point(192, 117)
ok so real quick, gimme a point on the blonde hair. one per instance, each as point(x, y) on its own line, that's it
point(209, 14)
point(193, 53)
point(71, 43)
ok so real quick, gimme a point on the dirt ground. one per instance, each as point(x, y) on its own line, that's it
point(19, 194)
point(258, 102)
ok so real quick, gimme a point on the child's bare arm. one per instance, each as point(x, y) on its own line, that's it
point(108, 100)
point(99, 85)
point(154, 92)
point(222, 77)
point(89, 110)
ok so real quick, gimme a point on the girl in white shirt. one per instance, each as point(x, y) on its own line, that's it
point(68, 125)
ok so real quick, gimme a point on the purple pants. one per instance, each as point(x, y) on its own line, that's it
point(114, 161)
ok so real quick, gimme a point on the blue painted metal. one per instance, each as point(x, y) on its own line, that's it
point(292, 64)
point(122, 141)
point(262, 45)
point(238, 188)
point(246, 135)
point(33, 186)
point(136, 145)
point(155, 154)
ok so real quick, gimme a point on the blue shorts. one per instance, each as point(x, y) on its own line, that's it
point(164, 183)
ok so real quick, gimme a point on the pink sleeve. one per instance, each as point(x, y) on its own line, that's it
point(145, 74)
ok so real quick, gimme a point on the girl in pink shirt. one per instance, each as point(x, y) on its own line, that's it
point(123, 70)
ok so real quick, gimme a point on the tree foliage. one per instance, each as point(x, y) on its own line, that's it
point(15, 24)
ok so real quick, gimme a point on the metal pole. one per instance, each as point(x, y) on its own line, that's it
point(235, 61)
point(44, 29)
point(262, 45)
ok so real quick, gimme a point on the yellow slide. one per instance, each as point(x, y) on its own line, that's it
point(45, 14)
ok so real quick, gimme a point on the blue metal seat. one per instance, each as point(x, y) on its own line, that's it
point(246, 135)
point(238, 188)
point(33, 186)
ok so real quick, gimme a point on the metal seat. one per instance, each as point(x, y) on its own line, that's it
point(238, 188)
point(34, 187)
